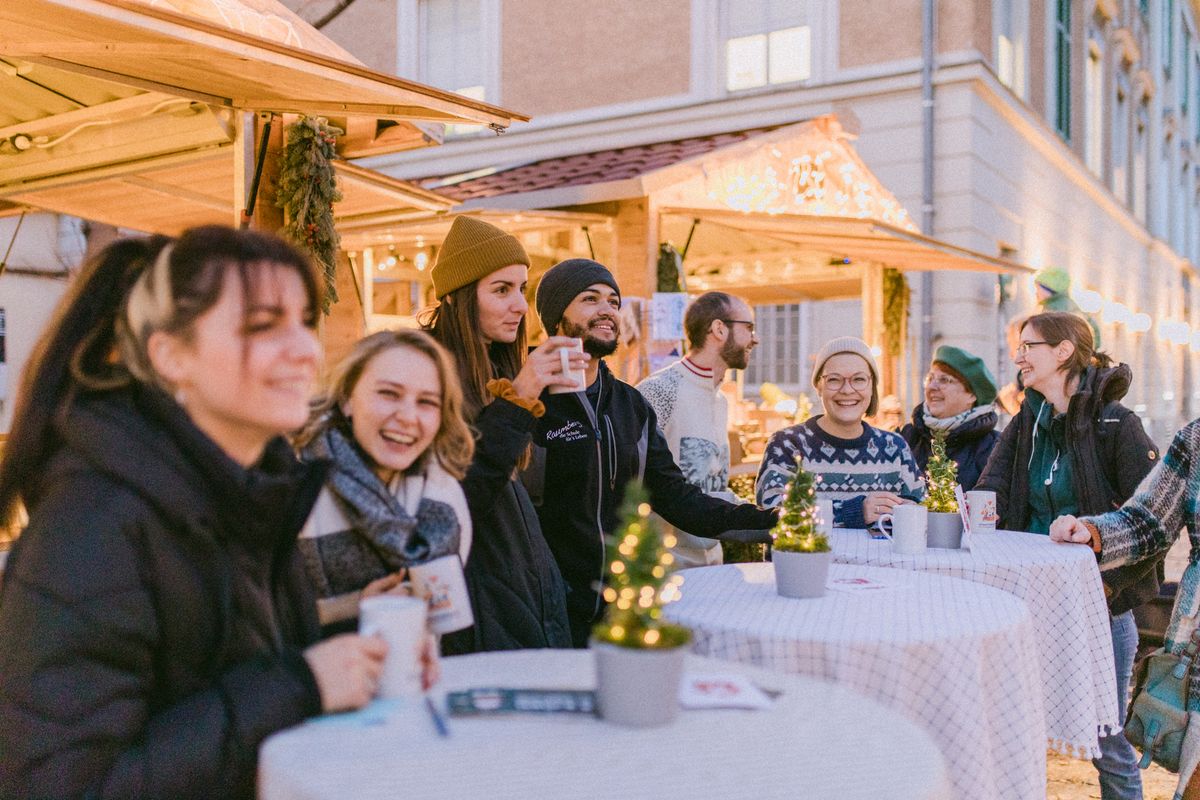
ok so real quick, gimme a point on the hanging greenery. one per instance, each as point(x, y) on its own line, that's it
point(670, 268)
point(895, 310)
point(306, 192)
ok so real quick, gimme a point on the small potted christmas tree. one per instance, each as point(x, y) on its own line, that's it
point(639, 656)
point(941, 476)
point(800, 551)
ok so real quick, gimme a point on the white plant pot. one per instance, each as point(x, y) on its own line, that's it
point(801, 574)
point(945, 530)
point(637, 688)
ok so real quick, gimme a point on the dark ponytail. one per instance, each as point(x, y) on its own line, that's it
point(77, 352)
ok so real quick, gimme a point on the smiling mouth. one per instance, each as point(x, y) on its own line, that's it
point(398, 438)
point(611, 327)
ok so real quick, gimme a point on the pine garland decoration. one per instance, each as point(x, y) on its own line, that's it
point(307, 190)
point(798, 528)
point(640, 582)
point(895, 310)
point(941, 476)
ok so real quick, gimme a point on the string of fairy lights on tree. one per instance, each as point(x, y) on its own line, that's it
point(799, 525)
point(640, 580)
point(941, 476)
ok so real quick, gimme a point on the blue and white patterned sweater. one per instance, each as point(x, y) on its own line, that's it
point(846, 469)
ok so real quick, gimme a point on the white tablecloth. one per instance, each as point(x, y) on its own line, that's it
point(957, 657)
point(817, 741)
point(1061, 585)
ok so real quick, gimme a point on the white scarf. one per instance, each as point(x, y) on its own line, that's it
point(951, 423)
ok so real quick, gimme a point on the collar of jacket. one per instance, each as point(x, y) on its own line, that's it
point(967, 432)
point(1098, 386)
point(142, 439)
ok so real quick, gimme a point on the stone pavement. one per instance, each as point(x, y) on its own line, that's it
point(1073, 779)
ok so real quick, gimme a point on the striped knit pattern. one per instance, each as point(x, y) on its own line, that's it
point(846, 469)
point(1149, 523)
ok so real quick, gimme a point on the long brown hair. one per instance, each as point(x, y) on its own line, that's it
point(453, 445)
point(454, 322)
point(1056, 327)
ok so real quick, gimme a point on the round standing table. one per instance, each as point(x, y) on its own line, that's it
point(817, 740)
point(1062, 587)
point(956, 657)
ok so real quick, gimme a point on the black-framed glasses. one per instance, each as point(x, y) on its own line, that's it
point(746, 322)
point(1023, 347)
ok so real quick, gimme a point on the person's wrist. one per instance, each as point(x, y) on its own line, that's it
point(1095, 535)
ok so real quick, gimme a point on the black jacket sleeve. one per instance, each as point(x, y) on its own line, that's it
point(504, 434)
point(997, 475)
point(684, 505)
point(81, 713)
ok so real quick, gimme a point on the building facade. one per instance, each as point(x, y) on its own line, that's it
point(1044, 131)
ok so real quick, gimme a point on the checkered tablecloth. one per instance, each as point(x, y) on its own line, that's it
point(817, 741)
point(957, 657)
point(1061, 585)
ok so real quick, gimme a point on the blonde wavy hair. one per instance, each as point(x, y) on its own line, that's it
point(453, 445)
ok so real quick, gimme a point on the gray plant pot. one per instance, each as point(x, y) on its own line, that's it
point(945, 530)
point(637, 688)
point(801, 574)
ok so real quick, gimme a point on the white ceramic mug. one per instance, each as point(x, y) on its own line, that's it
point(825, 516)
point(906, 526)
point(399, 621)
point(981, 505)
point(444, 588)
point(577, 375)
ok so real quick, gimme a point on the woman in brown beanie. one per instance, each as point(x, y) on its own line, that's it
point(517, 592)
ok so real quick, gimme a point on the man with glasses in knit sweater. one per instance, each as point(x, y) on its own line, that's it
point(693, 414)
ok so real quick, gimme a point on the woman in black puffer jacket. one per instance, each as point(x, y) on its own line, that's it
point(155, 625)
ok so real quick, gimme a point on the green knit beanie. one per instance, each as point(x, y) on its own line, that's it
point(473, 249)
point(978, 377)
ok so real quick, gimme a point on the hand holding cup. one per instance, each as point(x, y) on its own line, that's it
point(558, 363)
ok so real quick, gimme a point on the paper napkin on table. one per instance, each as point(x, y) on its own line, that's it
point(699, 690)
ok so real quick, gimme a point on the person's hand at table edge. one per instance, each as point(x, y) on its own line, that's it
point(1068, 529)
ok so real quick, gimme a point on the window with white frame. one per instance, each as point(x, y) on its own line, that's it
point(454, 53)
point(766, 42)
point(1061, 43)
point(1093, 98)
point(1168, 35)
point(1119, 178)
point(779, 355)
point(1010, 20)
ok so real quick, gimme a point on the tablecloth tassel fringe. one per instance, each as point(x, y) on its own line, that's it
point(1072, 750)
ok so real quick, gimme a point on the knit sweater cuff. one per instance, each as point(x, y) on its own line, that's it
point(503, 388)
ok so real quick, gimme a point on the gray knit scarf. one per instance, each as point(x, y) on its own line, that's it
point(398, 538)
point(950, 424)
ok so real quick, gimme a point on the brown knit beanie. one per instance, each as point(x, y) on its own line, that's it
point(850, 344)
point(473, 249)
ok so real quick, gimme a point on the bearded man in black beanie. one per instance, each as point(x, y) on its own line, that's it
point(590, 444)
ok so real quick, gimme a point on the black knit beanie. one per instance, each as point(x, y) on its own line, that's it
point(563, 282)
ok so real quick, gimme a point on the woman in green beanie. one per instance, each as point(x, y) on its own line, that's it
point(959, 395)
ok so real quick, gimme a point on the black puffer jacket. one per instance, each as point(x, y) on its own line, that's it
point(583, 460)
point(1110, 454)
point(153, 612)
point(969, 445)
point(517, 592)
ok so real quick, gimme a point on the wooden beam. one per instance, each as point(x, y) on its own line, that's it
point(179, 192)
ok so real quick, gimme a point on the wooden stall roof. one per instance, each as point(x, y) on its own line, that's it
point(156, 47)
point(419, 229)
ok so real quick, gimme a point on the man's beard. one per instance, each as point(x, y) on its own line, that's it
point(596, 348)
point(735, 356)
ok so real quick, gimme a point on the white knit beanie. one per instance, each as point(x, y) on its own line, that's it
point(849, 344)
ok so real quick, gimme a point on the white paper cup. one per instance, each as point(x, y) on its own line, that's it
point(443, 586)
point(399, 621)
point(825, 516)
point(906, 526)
point(577, 375)
point(981, 506)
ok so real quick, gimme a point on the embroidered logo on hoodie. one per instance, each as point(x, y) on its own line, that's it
point(571, 432)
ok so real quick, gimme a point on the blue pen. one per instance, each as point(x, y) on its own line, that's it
point(439, 721)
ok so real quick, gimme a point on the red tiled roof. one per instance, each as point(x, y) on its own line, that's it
point(578, 170)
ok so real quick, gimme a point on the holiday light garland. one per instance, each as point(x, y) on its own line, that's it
point(640, 582)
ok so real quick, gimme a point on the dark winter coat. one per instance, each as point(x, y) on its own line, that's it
point(583, 460)
point(1110, 454)
point(154, 611)
point(969, 445)
point(517, 592)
